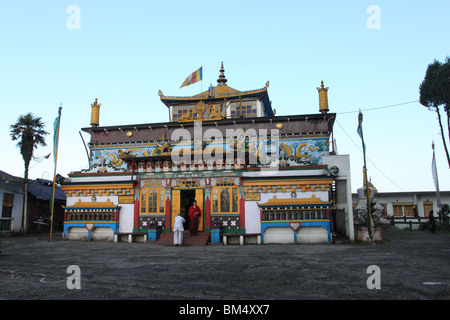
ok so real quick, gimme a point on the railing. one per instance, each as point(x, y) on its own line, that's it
point(271, 215)
point(410, 220)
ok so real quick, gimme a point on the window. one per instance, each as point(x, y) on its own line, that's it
point(8, 201)
point(162, 196)
point(216, 108)
point(408, 210)
point(401, 210)
point(225, 200)
point(234, 199)
point(143, 201)
point(215, 200)
point(178, 111)
point(243, 109)
point(152, 200)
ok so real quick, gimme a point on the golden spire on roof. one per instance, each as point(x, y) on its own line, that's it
point(222, 80)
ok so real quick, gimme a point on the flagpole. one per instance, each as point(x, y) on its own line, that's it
point(360, 119)
point(54, 174)
point(201, 81)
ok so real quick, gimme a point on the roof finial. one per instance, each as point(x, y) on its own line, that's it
point(95, 113)
point(222, 80)
point(323, 98)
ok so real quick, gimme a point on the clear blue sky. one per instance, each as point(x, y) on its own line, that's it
point(125, 51)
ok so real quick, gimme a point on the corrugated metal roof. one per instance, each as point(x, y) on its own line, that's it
point(40, 188)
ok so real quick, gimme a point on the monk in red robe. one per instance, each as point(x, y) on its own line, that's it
point(194, 213)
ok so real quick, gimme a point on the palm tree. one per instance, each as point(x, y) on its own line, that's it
point(30, 133)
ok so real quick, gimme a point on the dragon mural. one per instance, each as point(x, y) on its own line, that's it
point(291, 152)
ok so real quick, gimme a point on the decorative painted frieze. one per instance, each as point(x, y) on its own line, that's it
point(214, 156)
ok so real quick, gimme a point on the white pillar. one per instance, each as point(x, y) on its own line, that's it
point(342, 162)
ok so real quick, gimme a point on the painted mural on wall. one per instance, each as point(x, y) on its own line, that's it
point(113, 157)
point(294, 152)
point(289, 152)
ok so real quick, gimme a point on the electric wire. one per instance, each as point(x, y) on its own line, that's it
point(368, 158)
point(371, 109)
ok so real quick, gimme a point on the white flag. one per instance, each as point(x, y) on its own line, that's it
point(435, 178)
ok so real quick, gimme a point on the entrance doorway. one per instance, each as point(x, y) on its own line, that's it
point(181, 202)
point(186, 199)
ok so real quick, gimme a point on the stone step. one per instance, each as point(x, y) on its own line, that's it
point(201, 239)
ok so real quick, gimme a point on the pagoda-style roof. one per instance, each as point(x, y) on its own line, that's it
point(294, 203)
point(219, 93)
point(214, 94)
point(107, 205)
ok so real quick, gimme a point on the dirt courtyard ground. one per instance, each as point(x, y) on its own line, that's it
point(411, 265)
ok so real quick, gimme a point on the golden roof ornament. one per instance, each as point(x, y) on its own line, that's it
point(222, 80)
point(95, 113)
point(200, 108)
point(323, 98)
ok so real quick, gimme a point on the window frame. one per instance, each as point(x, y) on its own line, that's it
point(232, 191)
point(401, 210)
point(246, 109)
point(144, 201)
point(8, 203)
point(182, 109)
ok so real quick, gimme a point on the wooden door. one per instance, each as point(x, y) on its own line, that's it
point(199, 198)
point(176, 203)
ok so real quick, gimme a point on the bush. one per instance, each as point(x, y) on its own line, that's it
point(424, 226)
point(444, 215)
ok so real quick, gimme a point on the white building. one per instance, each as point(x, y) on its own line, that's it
point(408, 209)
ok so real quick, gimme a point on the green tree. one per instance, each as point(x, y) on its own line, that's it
point(445, 89)
point(29, 132)
point(435, 93)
